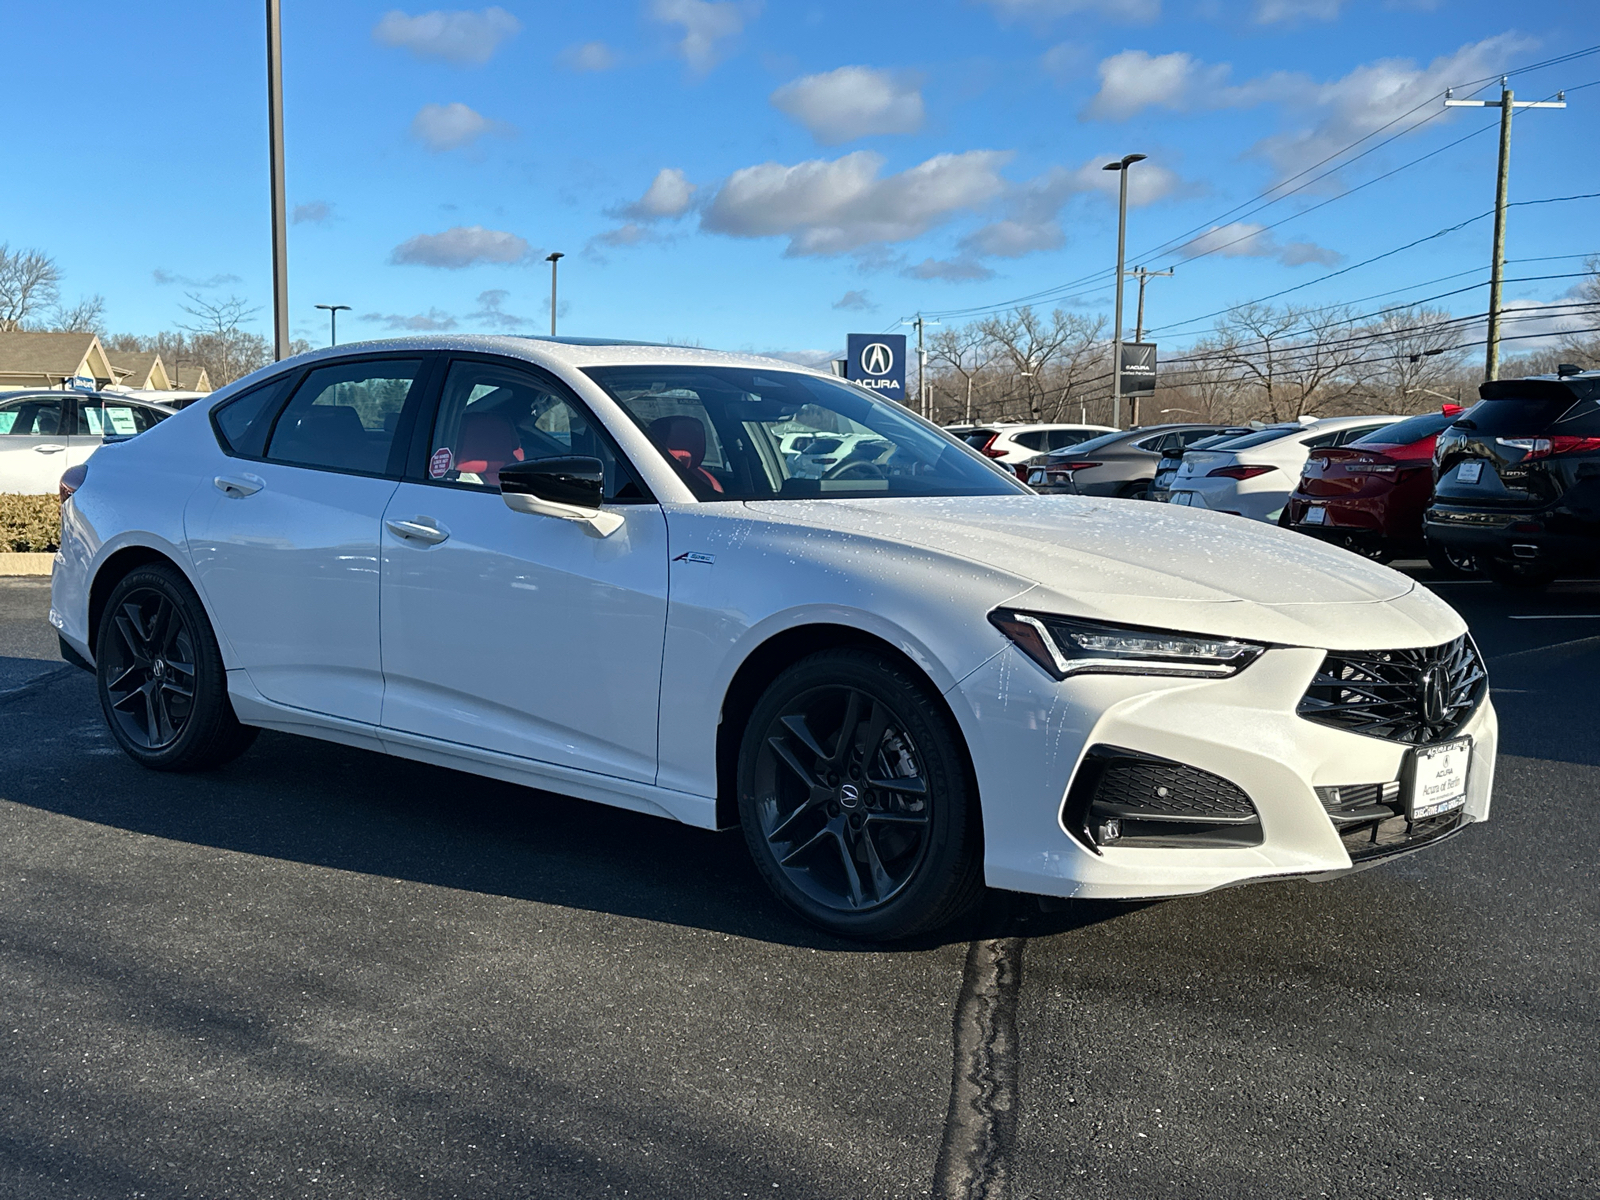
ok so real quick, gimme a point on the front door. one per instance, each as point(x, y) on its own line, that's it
point(286, 543)
point(33, 444)
point(522, 634)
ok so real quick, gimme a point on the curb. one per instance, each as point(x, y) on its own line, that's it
point(26, 564)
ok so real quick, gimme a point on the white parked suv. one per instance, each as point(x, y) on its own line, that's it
point(1014, 443)
point(585, 567)
point(1254, 475)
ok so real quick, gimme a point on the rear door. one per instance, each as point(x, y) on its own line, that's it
point(286, 539)
point(33, 443)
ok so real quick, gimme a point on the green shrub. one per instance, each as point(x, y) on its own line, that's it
point(29, 523)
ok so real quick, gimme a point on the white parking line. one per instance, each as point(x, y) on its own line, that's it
point(1558, 617)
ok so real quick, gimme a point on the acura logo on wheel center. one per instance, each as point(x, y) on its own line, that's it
point(849, 795)
point(877, 359)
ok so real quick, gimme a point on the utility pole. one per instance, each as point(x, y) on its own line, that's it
point(553, 259)
point(1121, 166)
point(333, 320)
point(924, 396)
point(1144, 276)
point(280, 245)
point(1506, 103)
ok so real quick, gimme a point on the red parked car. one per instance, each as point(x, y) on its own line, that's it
point(1369, 496)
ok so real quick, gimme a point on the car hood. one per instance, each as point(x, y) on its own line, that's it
point(1138, 563)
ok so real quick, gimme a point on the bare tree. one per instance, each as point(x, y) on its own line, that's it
point(88, 315)
point(1030, 345)
point(218, 344)
point(965, 350)
point(1412, 357)
point(29, 281)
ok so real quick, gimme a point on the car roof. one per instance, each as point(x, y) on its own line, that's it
point(57, 393)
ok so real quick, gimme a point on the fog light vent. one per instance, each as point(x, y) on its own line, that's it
point(1131, 799)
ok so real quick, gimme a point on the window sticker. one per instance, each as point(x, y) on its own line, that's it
point(441, 462)
point(95, 418)
point(121, 420)
point(7, 421)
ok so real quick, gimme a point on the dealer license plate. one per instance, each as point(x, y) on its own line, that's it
point(1469, 472)
point(1315, 516)
point(1186, 498)
point(1439, 778)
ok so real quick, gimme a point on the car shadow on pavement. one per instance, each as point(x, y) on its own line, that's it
point(345, 809)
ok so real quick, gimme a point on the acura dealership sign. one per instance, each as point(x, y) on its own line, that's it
point(877, 361)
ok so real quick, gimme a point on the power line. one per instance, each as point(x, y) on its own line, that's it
point(1471, 86)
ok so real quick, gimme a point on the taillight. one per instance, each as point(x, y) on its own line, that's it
point(988, 448)
point(1551, 446)
point(1238, 472)
point(1372, 465)
point(1076, 466)
point(72, 479)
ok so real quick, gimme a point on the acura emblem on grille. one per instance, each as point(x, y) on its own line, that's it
point(1416, 696)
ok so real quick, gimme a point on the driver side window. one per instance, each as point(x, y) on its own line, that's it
point(493, 416)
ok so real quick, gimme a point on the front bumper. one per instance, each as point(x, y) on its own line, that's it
point(1029, 736)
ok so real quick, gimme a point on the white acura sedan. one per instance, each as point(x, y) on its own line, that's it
point(584, 566)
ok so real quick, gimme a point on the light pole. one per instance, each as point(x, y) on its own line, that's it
point(280, 245)
point(1121, 167)
point(333, 320)
point(553, 259)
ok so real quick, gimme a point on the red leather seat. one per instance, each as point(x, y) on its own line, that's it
point(684, 438)
point(485, 443)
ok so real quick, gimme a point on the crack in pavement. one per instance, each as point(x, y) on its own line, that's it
point(980, 1129)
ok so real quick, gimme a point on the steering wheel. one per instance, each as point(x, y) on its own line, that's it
point(860, 469)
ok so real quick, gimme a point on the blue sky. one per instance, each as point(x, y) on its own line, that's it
point(771, 176)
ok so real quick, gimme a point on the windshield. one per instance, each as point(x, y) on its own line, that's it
point(734, 433)
point(1205, 443)
point(1262, 436)
point(1093, 444)
point(1412, 429)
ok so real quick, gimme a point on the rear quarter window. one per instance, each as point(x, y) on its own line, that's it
point(1515, 416)
point(242, 424)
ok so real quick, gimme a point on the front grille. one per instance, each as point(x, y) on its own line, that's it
point(1123, 797)
point(1413, 696)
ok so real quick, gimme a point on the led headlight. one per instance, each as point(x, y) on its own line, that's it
point(1066, 646)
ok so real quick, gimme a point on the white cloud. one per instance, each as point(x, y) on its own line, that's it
point(956, 270)
point(314, 211)
point(591, 56)
point(458, 36)
point(853, 102)
point(162, 277)
point(832, 207)
point(1133, 81)
point(442, 127)
point(854, 301)
point(1013, 239)
point(1247, 239)
point(1039, 12)
point(1065, 61)
point(670, 195)
point(704, 25)
point(1273, 12)
point(432, 321)
point(461, 246)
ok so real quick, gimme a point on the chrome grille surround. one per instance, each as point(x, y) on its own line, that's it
point(1412, 696)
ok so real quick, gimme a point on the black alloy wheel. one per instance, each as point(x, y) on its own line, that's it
point(1450, 562)
point(160, 677)
point(853, 798)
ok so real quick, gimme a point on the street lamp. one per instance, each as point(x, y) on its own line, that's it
point(333, 320)
point(553, 259)
point(1121, 167)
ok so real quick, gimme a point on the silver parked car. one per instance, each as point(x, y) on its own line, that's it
point(42, 433)
point(1115, 464)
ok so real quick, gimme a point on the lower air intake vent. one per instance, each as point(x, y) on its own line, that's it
point(1415, 696)
point(1121, 797)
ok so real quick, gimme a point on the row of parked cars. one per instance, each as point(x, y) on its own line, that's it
point(1509, 487)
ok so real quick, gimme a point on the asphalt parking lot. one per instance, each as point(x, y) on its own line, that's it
point(324, 972)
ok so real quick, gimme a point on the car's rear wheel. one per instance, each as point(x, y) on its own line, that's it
point(160, 677)
point(1139, 489)
point(855, 798)
point(1525, 576)
point(1451, 563)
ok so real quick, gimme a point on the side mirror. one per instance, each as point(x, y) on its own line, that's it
point(570, 489)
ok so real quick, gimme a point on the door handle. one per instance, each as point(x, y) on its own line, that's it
point(48, 448)
point(419, 530)
point(237, 487)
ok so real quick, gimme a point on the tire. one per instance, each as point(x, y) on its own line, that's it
point(1137, 490)
point(862, 861)
point(160, 677)
point(1452, 564)
point(1520, 575)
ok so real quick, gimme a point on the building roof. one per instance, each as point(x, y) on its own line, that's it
point(57, 355)
point(189, 377)
point(144, 369)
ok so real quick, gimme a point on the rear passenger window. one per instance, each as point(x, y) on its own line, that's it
point(242, 424)
point(344, 417)
point(102, 418)
point(1033, 441)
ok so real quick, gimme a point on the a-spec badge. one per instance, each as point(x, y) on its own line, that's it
point(696, 557)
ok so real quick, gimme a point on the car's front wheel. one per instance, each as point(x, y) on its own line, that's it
point(162, 684)
point(855, 799)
